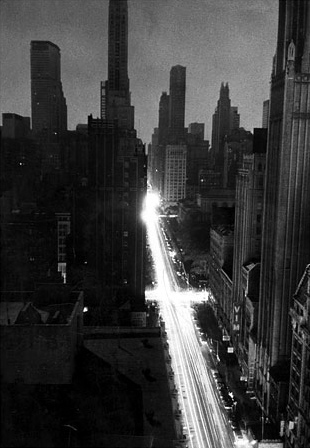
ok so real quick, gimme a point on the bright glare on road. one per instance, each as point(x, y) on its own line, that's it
point(203, 416)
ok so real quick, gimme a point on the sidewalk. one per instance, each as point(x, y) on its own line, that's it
point(228, 367)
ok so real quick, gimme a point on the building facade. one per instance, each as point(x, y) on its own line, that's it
point(197, 159)
point(220, 264)
point(177, 103)
point(15, 126)
point(48, 104)
point(265, 118)
point(175, 174)
point(248, 223)
point(117, 168)
point(115, 93)
point(298, 409)
point(63, 230)
point(221, 125)
point(286, 219)
point(247, 335)
point(118, 177)
point(224, 120)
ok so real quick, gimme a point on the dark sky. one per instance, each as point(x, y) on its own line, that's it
point(217, 40)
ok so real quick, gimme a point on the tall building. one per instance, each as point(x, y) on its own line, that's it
point(196, 159)
point(265, 117)
point(177, 102)
point(221, 124)
point(220, 266)
point(117, 174)
point(246, 257)
point(48, 104)
point(298, 423)
point(156, 156)
point(163, 119)
point(175, 174)
point(115, 94)
point(286, 219)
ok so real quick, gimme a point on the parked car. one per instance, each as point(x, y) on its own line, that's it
point(234, 425)
point(216, 375)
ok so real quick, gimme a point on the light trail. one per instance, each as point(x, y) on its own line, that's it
point(203, 416)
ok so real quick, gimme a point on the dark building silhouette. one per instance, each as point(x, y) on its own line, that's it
point(259, 140)
point(163, 118)
point(115, 94)
point(298, 424)
point(117, 174)
point(15, 126)
point(160, 138)
point(265, 117)
point(247, 250)
point(225, 122)
point(221, 125)
point(237, 144)
point(197, 159)
point(234, 118)
point(170, 133)
point(286, 219)
point(177, 103)
point(48, 104)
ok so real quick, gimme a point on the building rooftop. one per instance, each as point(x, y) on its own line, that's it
point(25, 313)
point(224, 230)
point(140, 357)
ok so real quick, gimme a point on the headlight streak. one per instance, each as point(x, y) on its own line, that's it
point(188, 407)
point(202, 409)
point(198, 367)
point(194, 401)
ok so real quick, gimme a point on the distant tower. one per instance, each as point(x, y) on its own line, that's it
point(163, 118)
point(286, 219)
point(175, 174)
point(221, 127)
point(221, 119)
point(48, 104)
point(115, 94)
point(177, 101)
point(265, 114)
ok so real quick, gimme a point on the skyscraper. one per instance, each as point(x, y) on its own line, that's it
point(286, 218)
point(156, 156)
point(177, 102)
point(117, 171)
point(265, 117)
point(163, 118)
point(174, 174)
point(48, 104)
point(115, 94)
point(221, 122)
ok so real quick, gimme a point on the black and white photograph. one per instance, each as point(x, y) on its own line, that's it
point(155, 223)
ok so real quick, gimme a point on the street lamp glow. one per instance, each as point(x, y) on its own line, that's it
point(150, 205)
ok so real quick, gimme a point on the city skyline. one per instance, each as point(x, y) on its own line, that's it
point(157, 41)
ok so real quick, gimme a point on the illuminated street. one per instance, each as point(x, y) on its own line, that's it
point(203, 416)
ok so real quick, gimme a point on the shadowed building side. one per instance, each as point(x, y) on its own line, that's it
point(286, 220)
